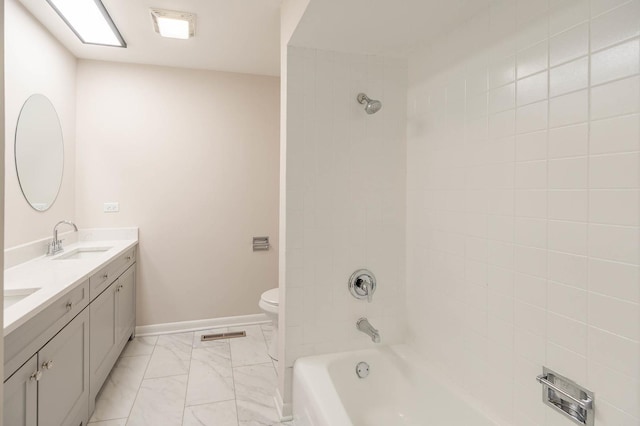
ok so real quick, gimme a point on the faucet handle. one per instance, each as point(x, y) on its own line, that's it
point(362, 284)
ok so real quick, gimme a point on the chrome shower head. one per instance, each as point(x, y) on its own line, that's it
point(371, 106)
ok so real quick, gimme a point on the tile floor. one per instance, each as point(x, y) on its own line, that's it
point(177, 380)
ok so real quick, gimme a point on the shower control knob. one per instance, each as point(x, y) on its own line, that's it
point(362, 284)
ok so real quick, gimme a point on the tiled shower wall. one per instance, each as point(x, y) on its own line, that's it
point(345, 199)
point(523, 205)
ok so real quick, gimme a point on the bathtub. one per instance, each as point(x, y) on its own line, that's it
point(398, 391)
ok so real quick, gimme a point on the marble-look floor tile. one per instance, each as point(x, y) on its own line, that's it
point(171, 356)
point(249, 350)
point(140, 346)
point(160, 401)
point(119, 390)
point(210, 376)
point(267, 331)
point(116, 422)
point(255, 386)
point(217, 414)
point(197, 343)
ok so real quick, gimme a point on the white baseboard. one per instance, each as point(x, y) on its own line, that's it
point(284, 410)
point(186, 326)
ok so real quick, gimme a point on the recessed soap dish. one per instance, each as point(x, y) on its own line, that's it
point(567, 397)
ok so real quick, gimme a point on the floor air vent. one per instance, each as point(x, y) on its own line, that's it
point(220, 336)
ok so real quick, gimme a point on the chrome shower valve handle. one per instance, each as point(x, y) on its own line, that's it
point(362, 284)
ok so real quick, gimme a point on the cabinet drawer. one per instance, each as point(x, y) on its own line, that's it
point(25, 340)
point(107, 275)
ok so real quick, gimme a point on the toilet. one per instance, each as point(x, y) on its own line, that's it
point(269, 304)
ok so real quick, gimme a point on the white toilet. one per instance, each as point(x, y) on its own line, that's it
point(269, 302)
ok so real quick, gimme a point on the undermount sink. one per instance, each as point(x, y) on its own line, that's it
point(11, 297)
point(83, 253)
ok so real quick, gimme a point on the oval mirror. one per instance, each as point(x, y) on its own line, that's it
point(39, 152)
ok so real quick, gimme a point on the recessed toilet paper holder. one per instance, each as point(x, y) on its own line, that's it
point(362, 284)
point(567, 397)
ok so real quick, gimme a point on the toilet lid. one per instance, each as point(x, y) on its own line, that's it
point(270, 296)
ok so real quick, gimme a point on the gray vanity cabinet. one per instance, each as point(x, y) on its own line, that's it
point(52, 387)
point(63, 389)
point(21, 396)
point(112, 323)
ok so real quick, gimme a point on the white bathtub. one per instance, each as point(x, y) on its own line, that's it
point(398, 391)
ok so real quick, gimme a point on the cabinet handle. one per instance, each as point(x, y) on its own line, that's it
point(37, 375)
point(128, 258)
point(105, 276)
point(119, 287)
point(48, 365)
point(69, 306)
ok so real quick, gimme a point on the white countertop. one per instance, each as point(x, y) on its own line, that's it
point(57, 277)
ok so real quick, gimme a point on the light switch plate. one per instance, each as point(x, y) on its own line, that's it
point(111, 207)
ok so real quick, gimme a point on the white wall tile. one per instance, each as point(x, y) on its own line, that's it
point(570, 141)
point(615, 279)
point(567, 333)
point(531, 146)
point(531, 175)
point(569, 77)
point(619, 61)
point(615, 352)
point(567, 13)
point(568, 269)
point(614, 243)
point(615, 207)
point(615, 387)
point(568, 301)
point(615, 316)
point(533, 59)
point(570, 173)
point(569, 45)
point(532, 117)
point(616, 25)
point(502, 98)
point(615, 98)
point(619, 134)
point(568, 237)
point(614, 171)
point(569, 109)
point(568, 205)
point(532, 89)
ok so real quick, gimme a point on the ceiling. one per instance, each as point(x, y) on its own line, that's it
point(380, 27)
point(231, 35)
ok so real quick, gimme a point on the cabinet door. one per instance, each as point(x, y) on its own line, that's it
point(126, 306)
point(102, 339)
point(63, 389)
point(21, 396)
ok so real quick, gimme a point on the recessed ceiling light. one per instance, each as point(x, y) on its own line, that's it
point(173, 24)
point(89, 20)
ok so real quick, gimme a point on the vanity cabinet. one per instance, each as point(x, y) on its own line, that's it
point(52, 387)
point(112, 316)
point(57, 361)
point(21, 396)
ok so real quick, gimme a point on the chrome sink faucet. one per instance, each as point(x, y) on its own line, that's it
point(55, 246)
point(365, 326)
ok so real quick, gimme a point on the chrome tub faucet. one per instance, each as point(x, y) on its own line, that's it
point(55, 246)
point(365, 326)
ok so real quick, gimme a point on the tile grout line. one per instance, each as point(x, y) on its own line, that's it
point(140, 385)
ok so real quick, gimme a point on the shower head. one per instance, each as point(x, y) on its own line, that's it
point(371, 106)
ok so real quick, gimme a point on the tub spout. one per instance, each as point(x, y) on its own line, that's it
point(365, 326)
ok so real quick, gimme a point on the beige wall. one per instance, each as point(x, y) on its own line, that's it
point(192, 158)
point(35, 62)
point(2, 143)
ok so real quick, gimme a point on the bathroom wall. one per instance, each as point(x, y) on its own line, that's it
point(523, 205)
point(2, 167)
point(35, 62)
point(345, 197)
point(192, 157)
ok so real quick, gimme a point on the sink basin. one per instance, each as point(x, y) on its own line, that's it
point(11, 297)
point(83, 253)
